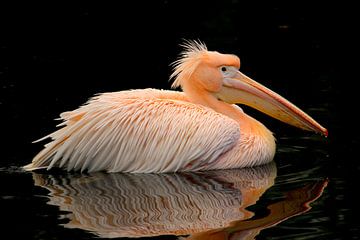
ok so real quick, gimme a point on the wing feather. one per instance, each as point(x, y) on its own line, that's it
point(138, 131)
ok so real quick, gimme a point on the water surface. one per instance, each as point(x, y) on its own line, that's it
point(284, 200)
point(54, 57)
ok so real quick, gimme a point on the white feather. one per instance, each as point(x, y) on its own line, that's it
point(121, 131)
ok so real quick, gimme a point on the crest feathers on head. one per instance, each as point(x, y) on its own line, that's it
point(188, 60)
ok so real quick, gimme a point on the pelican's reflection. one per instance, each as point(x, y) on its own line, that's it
point(201, 204)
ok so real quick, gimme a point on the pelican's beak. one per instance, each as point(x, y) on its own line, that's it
point(241, 89)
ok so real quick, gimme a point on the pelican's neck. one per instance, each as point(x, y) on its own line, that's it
point(262, 141)
point(247, 123)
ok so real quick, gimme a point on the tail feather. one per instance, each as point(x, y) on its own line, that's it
point(44, 157)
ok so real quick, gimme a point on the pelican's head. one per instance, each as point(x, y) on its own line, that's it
point(218, 75)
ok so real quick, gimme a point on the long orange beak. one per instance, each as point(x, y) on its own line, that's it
point(241, 89)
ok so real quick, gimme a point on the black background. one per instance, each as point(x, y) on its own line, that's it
point(53, 57)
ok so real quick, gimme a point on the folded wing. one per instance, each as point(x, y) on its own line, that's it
point(138, 131)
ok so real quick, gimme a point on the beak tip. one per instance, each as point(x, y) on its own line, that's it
point(326, 133)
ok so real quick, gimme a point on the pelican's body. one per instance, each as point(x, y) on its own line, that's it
point(166, 131)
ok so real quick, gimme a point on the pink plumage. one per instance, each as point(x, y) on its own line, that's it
point(153, 130)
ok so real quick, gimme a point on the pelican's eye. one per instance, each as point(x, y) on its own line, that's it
point(227, 71)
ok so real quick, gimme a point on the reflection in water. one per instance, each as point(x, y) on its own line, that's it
point(204, 205)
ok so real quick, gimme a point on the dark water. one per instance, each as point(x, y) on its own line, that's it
point(54, 57)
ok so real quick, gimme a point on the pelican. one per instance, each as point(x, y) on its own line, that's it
point(149, 130)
